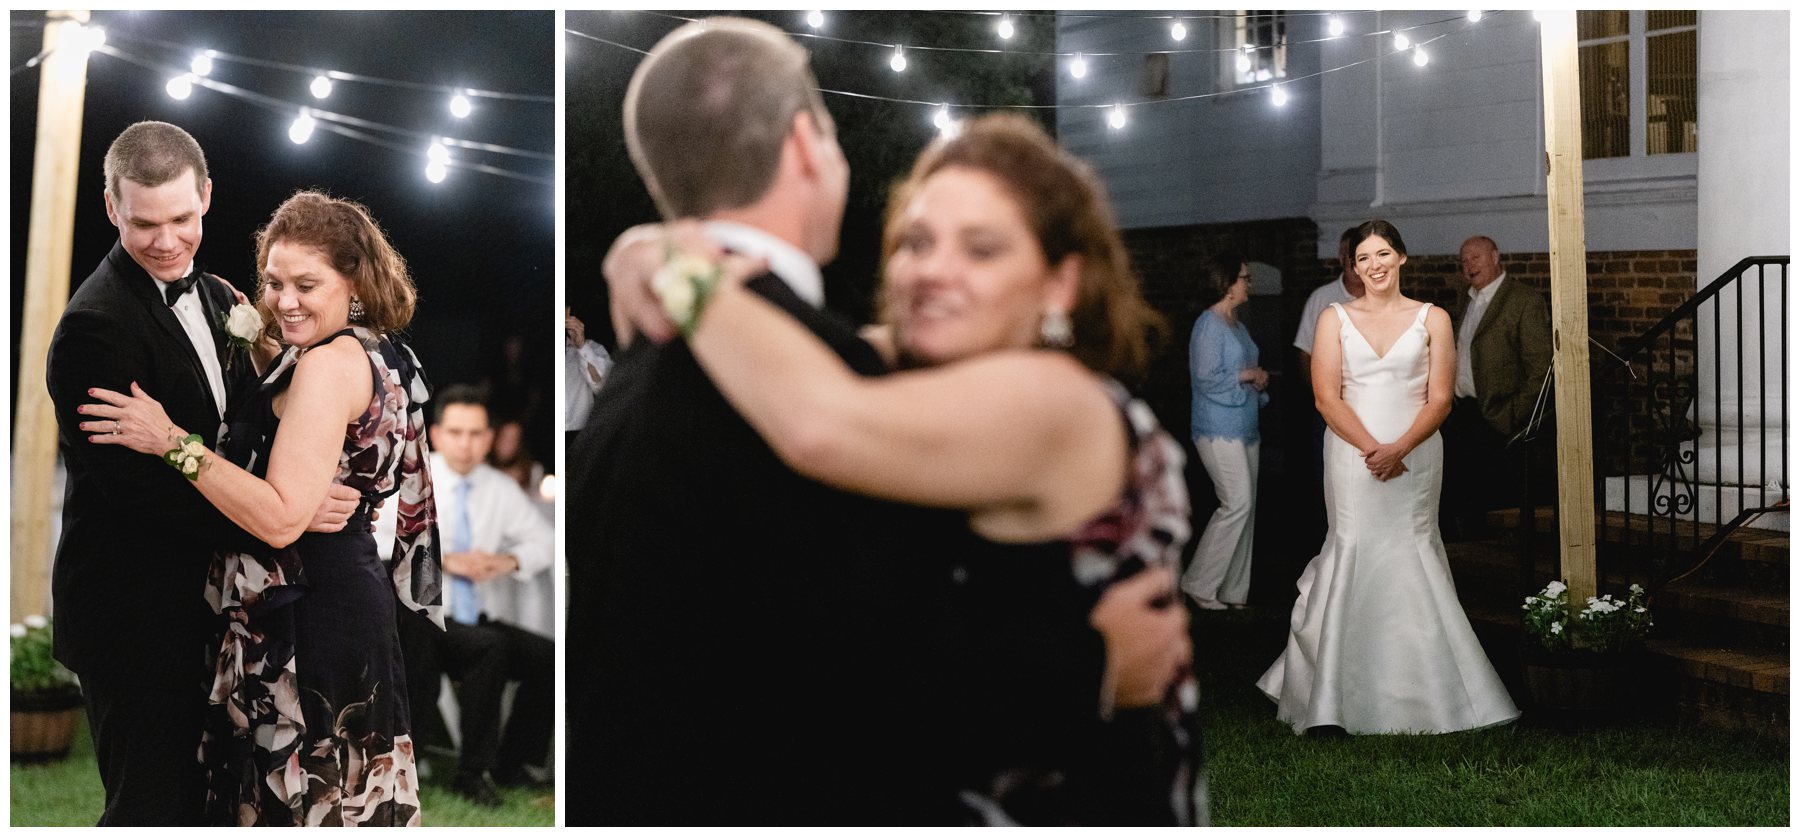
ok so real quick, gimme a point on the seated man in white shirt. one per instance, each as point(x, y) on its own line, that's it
point(492, 536)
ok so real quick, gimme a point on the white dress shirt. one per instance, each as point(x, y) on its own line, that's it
point(191, 313)
point(786, 261)
point(1478, 305)
point(502, 520)
point(1321, 299)
point(584, 371)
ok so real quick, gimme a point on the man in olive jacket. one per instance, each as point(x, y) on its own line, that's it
point(1502, 358)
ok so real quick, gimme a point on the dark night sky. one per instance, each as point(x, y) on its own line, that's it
point(880, 139)
point(481, 247)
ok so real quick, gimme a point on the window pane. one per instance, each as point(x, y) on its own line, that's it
point(1670, 20)
point(1606, 100)
point(1265, 33)
point(1604, 24)
point(1671, 99)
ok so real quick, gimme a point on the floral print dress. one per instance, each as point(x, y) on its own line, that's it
point(1044, 754)
point(307, 721)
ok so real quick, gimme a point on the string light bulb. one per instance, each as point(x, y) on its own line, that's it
point(1419, 56)
point(436, 171)
point(1474, 15)
point(460, 107)
point(321, 87)
point(1401, 42)
point(815, 19)
point(202, 63)
point(1278, 95)
point(1243, 60)
point(1078, 67)
point(437, 152)
point(1006, 27)
point(181, 86)
point(947, 127)
point(898, 62)
point(1117, 118)
point(302, 129)
point(1335, 26)
point(90, 38)
point(1178, 31)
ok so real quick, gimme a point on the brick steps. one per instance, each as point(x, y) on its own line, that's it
point(1757, 557)
point(1719, 652)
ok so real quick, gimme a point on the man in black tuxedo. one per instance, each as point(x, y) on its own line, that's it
point(131, 620)
point(746, 645)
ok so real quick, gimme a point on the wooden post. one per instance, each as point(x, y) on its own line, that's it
point(62, 85)
point(1568, 302)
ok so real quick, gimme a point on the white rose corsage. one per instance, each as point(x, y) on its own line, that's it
point(683, 284)
point(243, 325)
point(187, 457)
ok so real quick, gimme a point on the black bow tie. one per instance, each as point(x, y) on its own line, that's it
point(172, 291)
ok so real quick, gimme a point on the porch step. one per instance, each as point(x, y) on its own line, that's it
point(1751, 616)
point(1690, 682)
point(1749, 556)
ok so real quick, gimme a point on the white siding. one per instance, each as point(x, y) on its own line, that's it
point(1445, 151)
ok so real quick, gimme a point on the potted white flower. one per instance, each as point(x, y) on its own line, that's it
point(1578, 662)
point(45, 698)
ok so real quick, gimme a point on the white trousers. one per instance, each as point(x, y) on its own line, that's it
point(1221, 566)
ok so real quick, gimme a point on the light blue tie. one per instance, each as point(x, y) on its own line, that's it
point(465, 607)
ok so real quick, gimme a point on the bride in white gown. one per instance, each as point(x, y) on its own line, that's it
point(1378, 642)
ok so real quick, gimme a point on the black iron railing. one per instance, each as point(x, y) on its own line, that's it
point(1690, 427)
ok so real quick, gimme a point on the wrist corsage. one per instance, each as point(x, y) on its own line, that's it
point(683, 285)
point(243, 325)
point(187, 456)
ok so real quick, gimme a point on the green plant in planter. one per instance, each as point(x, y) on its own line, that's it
point(1605, 626)
point(35, 672)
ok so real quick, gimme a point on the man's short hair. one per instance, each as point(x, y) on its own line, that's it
point(1483, 240)
point(455, 394)
point(708, 109)
point(151, 154)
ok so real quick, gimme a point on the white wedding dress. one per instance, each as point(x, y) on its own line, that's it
point(1377, 641)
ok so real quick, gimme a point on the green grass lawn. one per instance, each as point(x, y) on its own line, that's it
point(1523, 774)
point(68, 793)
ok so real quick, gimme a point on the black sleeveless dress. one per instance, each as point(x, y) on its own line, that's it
point(307, 721)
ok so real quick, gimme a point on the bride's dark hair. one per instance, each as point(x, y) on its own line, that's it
point(350, 240)
point(1377, 227)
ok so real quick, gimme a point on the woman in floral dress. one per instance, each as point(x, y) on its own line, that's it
point(1012, 309)
point(308, 721)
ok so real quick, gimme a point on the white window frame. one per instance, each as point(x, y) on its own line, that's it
point(1638, 163)
point(1235, 34)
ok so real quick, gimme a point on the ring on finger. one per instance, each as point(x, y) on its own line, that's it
point(115, 427)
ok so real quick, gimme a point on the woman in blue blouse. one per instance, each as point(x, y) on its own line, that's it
point(1228, 394)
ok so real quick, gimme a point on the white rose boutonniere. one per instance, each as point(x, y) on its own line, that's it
point(682, 285)
point(243, 324)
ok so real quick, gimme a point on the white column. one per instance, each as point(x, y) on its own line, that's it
point(1743, 211)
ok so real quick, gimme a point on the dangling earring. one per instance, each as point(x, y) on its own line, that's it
point(1056, 331)
point(356, 310)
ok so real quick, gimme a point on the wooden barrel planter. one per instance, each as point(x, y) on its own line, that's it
point(1576, 690)
point(43, 724)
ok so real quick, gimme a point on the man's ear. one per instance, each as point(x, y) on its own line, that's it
point(205, 196)
point(808, 139)
point(112, 214)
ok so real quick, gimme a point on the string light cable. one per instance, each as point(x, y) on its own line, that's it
point(889, 45)
point(935, 104)
point(339, 75)
point(349, 126)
